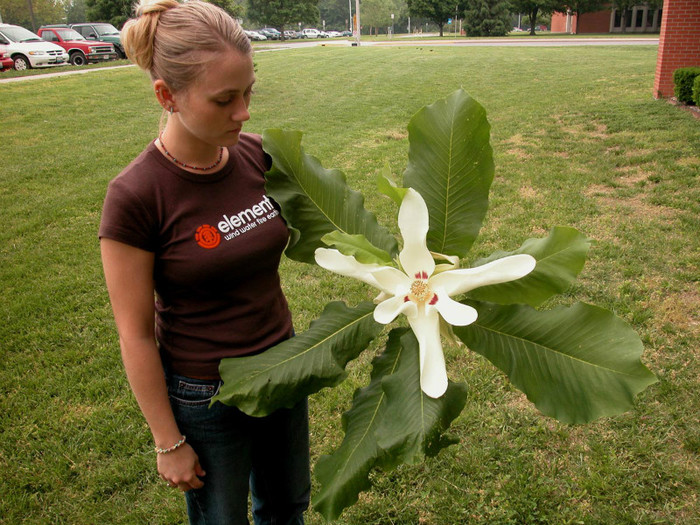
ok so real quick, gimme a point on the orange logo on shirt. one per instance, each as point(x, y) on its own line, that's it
point(207, 236)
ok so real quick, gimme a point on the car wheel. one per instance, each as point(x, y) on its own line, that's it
point(21, 63)
point(120, 53)
point(78, 59)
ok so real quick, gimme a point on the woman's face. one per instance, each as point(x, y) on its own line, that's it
point(215, 107)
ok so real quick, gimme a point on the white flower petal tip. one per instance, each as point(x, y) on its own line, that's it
point(523, 262)
point(388, 310)
point(434, 383)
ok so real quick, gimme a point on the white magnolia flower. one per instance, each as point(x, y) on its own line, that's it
point(420, 293)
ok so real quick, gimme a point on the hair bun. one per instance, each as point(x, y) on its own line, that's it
point(146, 7)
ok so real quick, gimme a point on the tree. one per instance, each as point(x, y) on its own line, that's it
point(76, 11)
point(283, 13)
point(336, 13)
point(437, 11)
point(116, 12)
point(377, 13)
point(43, 11)
point(533, 8)
point(232, 7)
point(487, 18)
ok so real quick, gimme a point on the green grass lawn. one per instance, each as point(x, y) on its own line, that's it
point(578, 141)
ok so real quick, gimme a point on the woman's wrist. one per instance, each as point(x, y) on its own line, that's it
point(172, 447)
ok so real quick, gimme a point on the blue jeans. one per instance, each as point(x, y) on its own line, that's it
point(269, 455)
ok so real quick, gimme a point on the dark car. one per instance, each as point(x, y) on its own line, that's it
point(103, 32)
point(270, 32)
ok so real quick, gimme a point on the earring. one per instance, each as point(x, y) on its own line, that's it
point(171, 110)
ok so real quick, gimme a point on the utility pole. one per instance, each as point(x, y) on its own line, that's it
point(357, 22)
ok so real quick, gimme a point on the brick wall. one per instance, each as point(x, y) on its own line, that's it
point(679, 43)
point(598, 22)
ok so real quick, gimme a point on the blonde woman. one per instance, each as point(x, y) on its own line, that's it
point(189, 223)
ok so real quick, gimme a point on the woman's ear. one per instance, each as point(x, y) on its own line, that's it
point(164, 95)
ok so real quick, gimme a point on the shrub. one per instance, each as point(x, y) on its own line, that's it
point(696, 91)
point(683, 79)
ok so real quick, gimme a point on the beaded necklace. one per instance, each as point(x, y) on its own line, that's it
point(187, 166)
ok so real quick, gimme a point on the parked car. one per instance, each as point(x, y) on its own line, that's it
point(103, 32)
point(334, 34)
point(310, 33)
point(80, 50)
point(346, 33)
point(291, 34)
point(270, 32)
point(254, 35)
point(6, 61)
point(27, 50)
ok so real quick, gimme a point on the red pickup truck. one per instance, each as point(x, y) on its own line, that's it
point(5, 61)
point(80, 50)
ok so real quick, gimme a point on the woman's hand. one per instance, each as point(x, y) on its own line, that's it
point(180, 468)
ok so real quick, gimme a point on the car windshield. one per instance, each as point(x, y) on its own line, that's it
point(106, 29)
point(70, 34)
point(19, 34)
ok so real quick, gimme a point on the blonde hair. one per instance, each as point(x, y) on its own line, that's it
point(172, 40)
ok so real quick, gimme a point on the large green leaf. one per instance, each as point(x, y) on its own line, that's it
point(358, 246)
point(391, 422)
point(574, 363)
point(302, 365)
point(415, 428)
point(450, 163)
point(344, 474)
point(560, 258)
point(314, 200)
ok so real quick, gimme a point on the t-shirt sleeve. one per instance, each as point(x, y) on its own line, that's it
point(125, 217)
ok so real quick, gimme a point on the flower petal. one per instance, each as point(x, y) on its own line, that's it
point(392, 280)
point(346, 265)
point(433, 376)
point(414, 224)
point(456, 282)
point(456, 314)
point(386, 311)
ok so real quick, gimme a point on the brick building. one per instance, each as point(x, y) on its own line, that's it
point(639, 19)
point(679, 43)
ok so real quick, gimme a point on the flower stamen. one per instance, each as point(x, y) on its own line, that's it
point(420, 291)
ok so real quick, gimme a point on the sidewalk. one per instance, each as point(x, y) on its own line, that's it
point(59, 74)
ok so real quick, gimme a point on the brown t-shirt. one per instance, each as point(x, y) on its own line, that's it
point(217, 241)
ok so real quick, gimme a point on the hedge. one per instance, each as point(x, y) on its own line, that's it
point(683, 80)
point(696, 91)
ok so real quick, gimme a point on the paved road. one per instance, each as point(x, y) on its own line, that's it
point(399, 41)
point(477, 42)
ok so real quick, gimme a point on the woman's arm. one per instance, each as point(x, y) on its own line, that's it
point(129, 276)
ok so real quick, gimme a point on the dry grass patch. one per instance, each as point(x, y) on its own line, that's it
point(528, 192)
point(690, 162)
point(680, 309)
point(397, 135)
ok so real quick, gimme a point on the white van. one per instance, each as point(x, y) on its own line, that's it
point(310, 33)
point(29, 50)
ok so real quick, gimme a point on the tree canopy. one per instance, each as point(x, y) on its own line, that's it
point(377, 13)
point(44, 12)
point(283, 13)
point(436, 11)
point(487, 17)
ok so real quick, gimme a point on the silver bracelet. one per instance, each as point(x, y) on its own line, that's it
point(174, 447)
